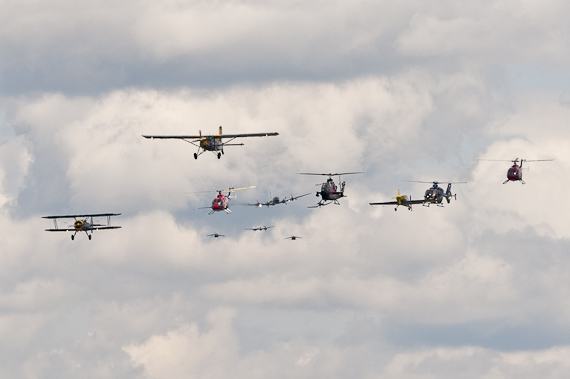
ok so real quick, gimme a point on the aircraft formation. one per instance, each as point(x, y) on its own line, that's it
point(329, 192)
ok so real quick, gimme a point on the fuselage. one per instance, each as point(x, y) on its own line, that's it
point(211, 143)
point(514, 173)
point(220, 203)
point(329, 191)
point(434, 195)
point(81, 225)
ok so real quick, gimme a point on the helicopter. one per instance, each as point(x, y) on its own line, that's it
point(514, 173)
point(220, 202)
point(328, 192)
point(435, 194)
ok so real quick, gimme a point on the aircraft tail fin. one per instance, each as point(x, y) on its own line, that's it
point(448, 193)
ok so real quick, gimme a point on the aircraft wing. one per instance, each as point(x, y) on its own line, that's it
point(84, 215)
point(215, 136)
point(407, 202)
point(174, 137)
point(296, 197)
point(73, 230)
point(258, 204)
point(247, 135)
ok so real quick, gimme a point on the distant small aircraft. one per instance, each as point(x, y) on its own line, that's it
point(215, 235)
point(83, 223)
point(213, 143)
point(404, 200)
point(260, 228)
point(276, 200)
point(293, 238)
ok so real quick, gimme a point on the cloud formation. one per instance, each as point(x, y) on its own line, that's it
point(404, 92)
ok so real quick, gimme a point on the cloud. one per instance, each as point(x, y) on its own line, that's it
point(403, 92)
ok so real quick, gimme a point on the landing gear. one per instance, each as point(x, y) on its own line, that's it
point(396, 208)
point(72, 237)
point(195, 156)
point(89, 237)
point(219, 155)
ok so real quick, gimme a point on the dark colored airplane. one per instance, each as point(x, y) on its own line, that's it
point(213, 143)
point(215, 235)
point(293, 238)
point(276, 200)
point(329, 193)
point(260, 228)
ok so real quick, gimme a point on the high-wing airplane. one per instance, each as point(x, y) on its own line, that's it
point(213, 143)
point(260, 228)
point(404, 200)
point(275, 200)
point(83, 223)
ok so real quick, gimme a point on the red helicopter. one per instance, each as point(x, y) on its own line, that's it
point(514, 173)
point(220, 203)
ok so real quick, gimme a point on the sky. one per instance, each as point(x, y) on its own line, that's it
point(402, 91)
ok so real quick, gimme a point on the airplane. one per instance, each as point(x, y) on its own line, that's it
point(276, 200)
point(514, 173)
point(260, 228)
point(293, 238)
point(401, 200)
point(213, 143)
point(435, 194)
point(215, 235)
point(328, 192)
point(220, 203)
point(83, 223)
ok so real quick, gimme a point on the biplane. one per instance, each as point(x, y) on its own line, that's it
point(404, 200)
point(214, 143)
point(83, 223)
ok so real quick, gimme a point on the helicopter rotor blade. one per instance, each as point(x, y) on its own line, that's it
point(331, 174)
point(242, 188)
